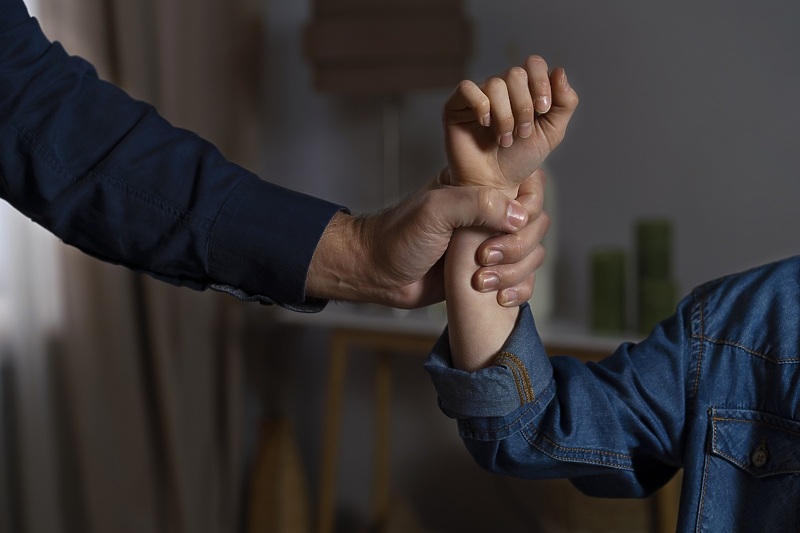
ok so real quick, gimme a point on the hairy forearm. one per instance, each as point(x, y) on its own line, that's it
point(335, 270)
point(478, 326)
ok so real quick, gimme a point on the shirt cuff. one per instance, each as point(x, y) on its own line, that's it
point(519, 375)
point(263, 242)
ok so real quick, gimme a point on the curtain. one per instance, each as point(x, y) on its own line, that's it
point(141, 425)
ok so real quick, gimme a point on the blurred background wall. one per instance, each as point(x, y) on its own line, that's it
point(687, 111)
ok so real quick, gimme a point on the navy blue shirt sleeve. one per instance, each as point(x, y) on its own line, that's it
point(108, 175)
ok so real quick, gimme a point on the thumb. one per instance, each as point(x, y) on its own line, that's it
point(531, 193)
point(483, 206)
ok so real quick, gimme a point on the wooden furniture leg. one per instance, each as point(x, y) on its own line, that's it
point(330, 448)
point(382, 459)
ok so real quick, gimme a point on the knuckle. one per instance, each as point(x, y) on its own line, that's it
point(515, 247)
point(525, 290)
point(485, 201)
point(540, 255)
point(543, 87)
point(525, 110)
point(535, 61)
point(428, 208)
point(495, 84)
point(464, 86)
point(532, 204)
point(517, 73)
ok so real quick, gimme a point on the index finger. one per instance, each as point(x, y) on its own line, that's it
point(468, 103)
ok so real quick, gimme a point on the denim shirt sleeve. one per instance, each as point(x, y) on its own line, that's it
point(106, 174)
point(510, 383)
point(614, 427)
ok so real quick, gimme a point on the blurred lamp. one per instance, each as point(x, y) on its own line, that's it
point(385, 49)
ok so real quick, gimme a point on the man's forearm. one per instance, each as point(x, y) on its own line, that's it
point(108, 175)
point(339, 268)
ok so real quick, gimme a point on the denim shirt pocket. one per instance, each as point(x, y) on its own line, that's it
point(751, 480)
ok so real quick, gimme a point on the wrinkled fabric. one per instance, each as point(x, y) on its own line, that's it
point(108, 175)
point(714, 390)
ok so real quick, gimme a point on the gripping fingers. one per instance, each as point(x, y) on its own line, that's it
point(516, 96)
point(517, 295)
point(468, 103)
point(511, 248)
point(521, 101)
point(539, 83)
point(510, 278)
point(502, 115)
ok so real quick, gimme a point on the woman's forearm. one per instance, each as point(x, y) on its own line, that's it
point(478, 326)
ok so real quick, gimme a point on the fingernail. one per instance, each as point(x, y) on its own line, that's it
point(486, 120)
point(494, 257)
point(488, 282)
point(516, 215)
point(509, 297)
point(506, 140)
point(542, 104)
point(525, 130)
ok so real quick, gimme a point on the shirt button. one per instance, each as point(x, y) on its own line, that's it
point(760, 456)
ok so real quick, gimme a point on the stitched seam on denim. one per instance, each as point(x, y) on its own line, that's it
point(748, 421)
point(575, 449)
point(492, 433)
point(704, 485)
point(584, 450)
point(736, 461)
point(517, 384)
point(520, 374)
point(566, 450)
point(700, 352)
point(743, 465)
point(750, 351)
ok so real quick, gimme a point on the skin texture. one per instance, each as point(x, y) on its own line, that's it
point(395, 257)
point(498, 133)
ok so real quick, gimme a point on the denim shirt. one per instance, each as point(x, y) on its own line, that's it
point(108, 175)
point(714, 390)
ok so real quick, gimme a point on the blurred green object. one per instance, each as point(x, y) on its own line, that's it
point(654, 249)
point(655, 285)
point(608, 309)
point(656, 302)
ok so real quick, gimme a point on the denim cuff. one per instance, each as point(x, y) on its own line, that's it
point(519, 375)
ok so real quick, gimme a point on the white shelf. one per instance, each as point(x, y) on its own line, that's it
point(431, 321)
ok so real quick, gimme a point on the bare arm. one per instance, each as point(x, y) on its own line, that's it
point(503, 151)
point(478, 324)
point(395, 257)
